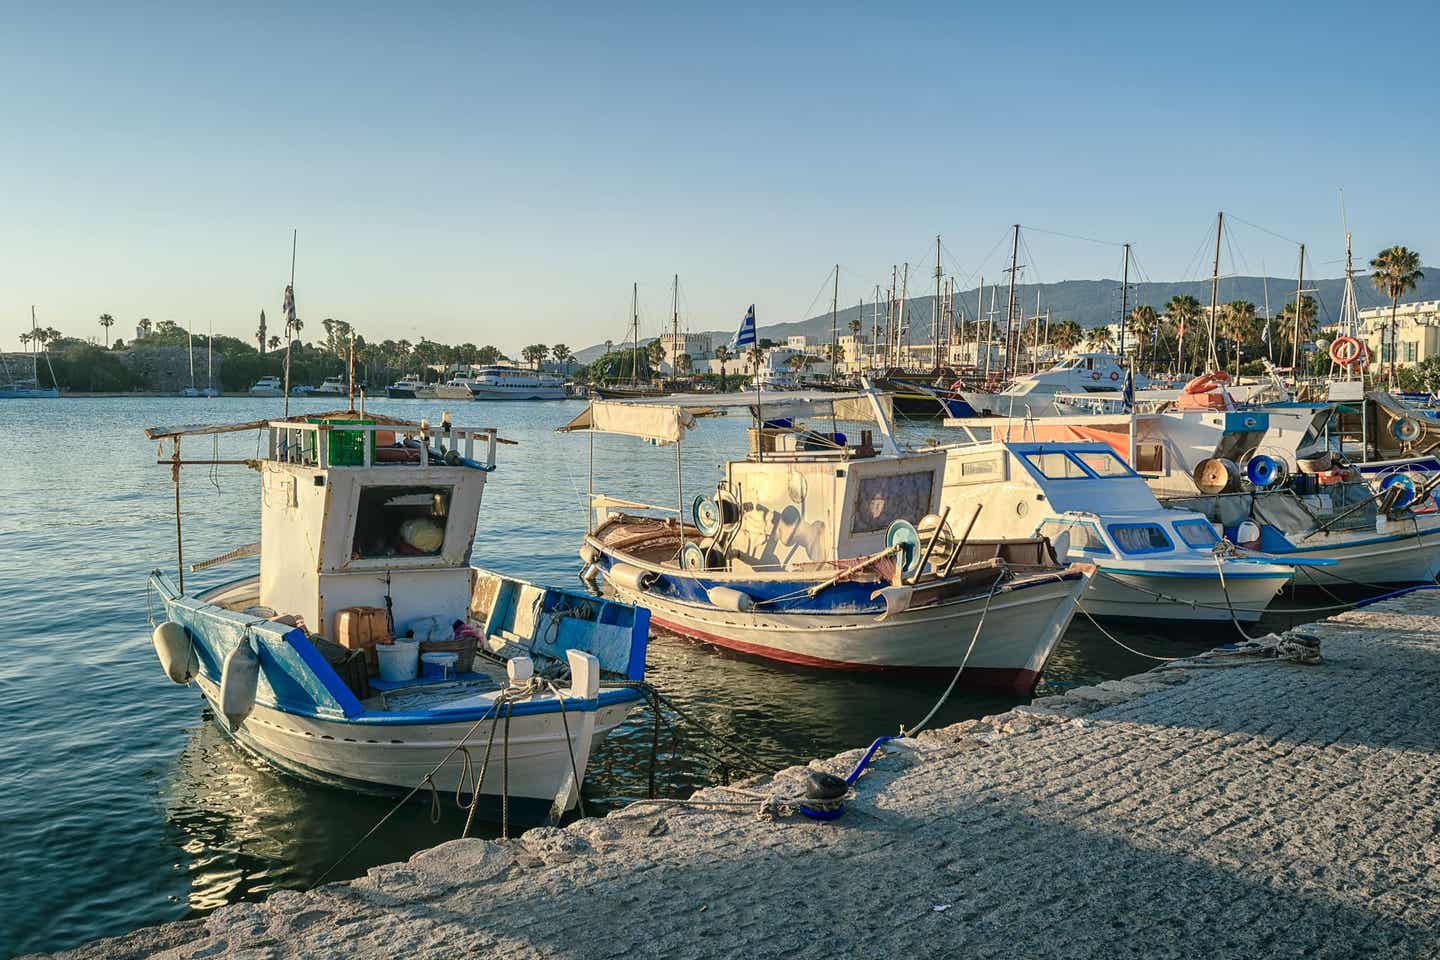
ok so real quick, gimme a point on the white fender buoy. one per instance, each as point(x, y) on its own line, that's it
point(1247, 535)
point(631, 577)
point(590, 574)
point(897, 600)
point(238, 682)
point(728, 598)
point(589, 553)
point(176, 651)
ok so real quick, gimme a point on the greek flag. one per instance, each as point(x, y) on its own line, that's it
point(745, 336)
point(288, 307)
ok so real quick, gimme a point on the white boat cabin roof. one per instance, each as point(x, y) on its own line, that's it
point(1078, 476)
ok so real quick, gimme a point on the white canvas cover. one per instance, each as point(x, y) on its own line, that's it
point(660, 424)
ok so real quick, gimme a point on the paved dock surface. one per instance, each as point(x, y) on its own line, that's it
point(1271, 809)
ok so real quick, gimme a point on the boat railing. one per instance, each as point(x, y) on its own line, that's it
point(307, 444)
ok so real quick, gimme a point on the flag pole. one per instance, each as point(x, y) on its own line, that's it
point(759, 414)
point(290, 321)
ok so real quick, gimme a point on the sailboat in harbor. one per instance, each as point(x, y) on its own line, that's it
point(634, 389)
point(192, 390)
point(15, 384)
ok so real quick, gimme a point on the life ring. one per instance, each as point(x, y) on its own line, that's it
point(1349, 352)
point(1207, 382)
point(1406, 429)
point(1095, 375)
point(1114, 375)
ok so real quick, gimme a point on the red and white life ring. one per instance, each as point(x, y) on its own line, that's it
point(1349, 352)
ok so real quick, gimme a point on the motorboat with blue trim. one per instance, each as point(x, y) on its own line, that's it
point(821, 551)
point(1034, 394)
point(370, 518)
point(1151, 562)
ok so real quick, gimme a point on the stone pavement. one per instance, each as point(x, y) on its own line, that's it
point(1270, 809)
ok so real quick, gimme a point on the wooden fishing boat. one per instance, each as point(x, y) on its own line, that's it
point(370, 520)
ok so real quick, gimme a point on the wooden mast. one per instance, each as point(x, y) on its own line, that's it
point(635, 330)
point(1295, 340)
point(1010, 305)
point(935, 312)
point(1124, 302)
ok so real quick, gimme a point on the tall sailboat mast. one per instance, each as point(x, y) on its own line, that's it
point(834, 324)
point(675, 345)
point(1295, 340)
point(1124, 302)
point(635, 330)
point(936, 310)
point(1215, 291)
point(1010, 305)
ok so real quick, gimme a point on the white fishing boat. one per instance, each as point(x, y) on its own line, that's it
point(808, 552)
point(267, 387)
point(367, 526)
point(1151, 563)
point(330, 387)
point(406, 388)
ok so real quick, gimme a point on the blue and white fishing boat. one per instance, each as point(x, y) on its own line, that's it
point(822, 551)
point(367, 526)
point(1151, 563)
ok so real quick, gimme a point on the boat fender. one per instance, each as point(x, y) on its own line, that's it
point(728, 598)
point(238, 682)
point(591, 573)
point(1247, 535)
point(176, 651)
point(897, 600)
point(589, 553)
point(632, 577)
point(1407, 429)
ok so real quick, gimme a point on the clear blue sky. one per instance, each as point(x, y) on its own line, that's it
point(502, 177)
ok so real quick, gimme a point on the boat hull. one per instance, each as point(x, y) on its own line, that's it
point(395, 758)
point(520, 393)
point(29, 393)
point(1022, 626)
point(1380, 560)
point(1131, 594)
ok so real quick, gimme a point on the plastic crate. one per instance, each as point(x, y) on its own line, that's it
point(347, 447)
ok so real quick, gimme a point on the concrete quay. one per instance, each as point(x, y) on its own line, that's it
point(1253, 810)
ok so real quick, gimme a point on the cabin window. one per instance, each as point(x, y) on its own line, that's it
point(400, 522)
point(1056, 466)
point(1103, 463)
point(880, 501)
point(1140, 537)
point(1068, 536)
point(1197, 533)
point(1150, 458)
point(977, 470)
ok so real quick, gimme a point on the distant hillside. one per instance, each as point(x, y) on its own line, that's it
point(1089, 302)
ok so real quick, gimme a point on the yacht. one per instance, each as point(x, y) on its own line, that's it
point(513, 383)
point(407, 387)
point(1034, 394)
point(267, 387)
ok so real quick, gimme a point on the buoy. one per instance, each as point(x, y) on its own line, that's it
point(238, 682)
point(1265, 471)
point(176, 651)
point(1217, 475)
point(692, 558)
point(728, 598)
point(1406, 494)
point(1349, 352)
point(591, 574)
point(1407, 429)
point(902, 534)
point(632, 577)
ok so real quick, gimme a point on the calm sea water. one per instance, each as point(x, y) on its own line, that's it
point(121, 805)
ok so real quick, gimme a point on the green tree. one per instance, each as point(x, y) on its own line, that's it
point(1238, 325)
point(1396, 273)
point(107, 322)
point(1066, 335)
point(1143, 323)
point(535, 354)
point(562, 356)
point(144, 326)
point(488, 356)
point(722, 354)
point(1283, 329)
point(1097, 338)
point(1182, 314)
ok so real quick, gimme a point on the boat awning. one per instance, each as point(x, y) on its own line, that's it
point(664, 419)
point(206, 429)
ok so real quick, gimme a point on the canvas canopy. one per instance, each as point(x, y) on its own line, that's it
point(664, 419)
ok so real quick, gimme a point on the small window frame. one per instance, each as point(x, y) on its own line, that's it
point(1101, 551)
point(1182, 525)
point(1147, 524)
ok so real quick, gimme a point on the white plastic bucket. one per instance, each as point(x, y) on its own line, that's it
point(399, 660)
point(439, 665)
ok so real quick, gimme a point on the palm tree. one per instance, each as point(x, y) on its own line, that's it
point(1143, 323)
point(1097, 338)
point(535, 354)
point(107, 322)
point(1397, 272)
point(757, 354)
point(722, 353)
point(1066, 335)
point(26, 337)
point(1237, 323)
point(562, 355)
point(145, 326)
point(274, 342)
point(1181, 314)
point(655, 353)
point(1284, 328)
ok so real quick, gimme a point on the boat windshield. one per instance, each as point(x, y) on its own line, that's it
point(1197, 533)
point(400, 522)
point(1140, 537)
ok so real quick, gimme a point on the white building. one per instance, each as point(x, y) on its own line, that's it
point(1417, 334)
point(696, 345)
